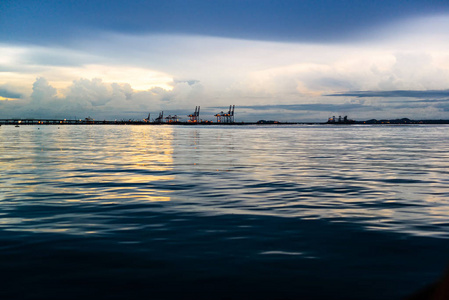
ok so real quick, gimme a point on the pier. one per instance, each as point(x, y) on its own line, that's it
point(18, 121)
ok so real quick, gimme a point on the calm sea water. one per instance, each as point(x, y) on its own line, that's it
point(222, 212)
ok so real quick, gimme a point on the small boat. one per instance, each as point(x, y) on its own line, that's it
point(17, 126)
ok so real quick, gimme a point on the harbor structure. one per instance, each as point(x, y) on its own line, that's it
point(228, 117)
point(160, 118)
point(195, 117)
point(340, 120)
point(172, 119)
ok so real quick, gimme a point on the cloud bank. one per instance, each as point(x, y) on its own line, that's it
point(122, 75)
point(395, 94)
point(98, 99)
point(288, 20)
point(7, 94)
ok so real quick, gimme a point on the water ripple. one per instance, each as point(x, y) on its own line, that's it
point(381, 178)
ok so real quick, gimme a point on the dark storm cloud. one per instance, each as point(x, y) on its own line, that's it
point(309, 107)
point(8, 94)
point(433, 101)
point(395, 94)
point(440, 104)
point(419, 103)
point(288, 20)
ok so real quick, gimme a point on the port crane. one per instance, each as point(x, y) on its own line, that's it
point(194, 118)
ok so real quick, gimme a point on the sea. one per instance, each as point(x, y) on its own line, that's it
point(222, 212)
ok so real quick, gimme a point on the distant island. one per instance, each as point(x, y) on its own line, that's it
point(403, 121)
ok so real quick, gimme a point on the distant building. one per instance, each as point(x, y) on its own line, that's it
point(340, 120)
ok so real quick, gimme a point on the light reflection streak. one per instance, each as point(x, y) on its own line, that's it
point(82, 165)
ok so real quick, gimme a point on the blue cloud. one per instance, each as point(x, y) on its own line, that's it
point(287, 20)
point(395, 94)
point(8, 94)
point(309, 107)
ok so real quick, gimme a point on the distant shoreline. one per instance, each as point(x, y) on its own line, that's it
point(403, 121)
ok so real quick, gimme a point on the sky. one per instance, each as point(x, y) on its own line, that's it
point(275, 60)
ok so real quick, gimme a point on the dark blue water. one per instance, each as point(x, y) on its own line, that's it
point(226, 212)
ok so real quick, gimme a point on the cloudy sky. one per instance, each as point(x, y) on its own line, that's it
point(301, 60)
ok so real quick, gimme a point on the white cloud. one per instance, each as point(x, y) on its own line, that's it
point(43, 92)
point(20, 65)
point(101, 100)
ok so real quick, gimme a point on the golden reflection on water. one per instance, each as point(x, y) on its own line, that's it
point(95, 163)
